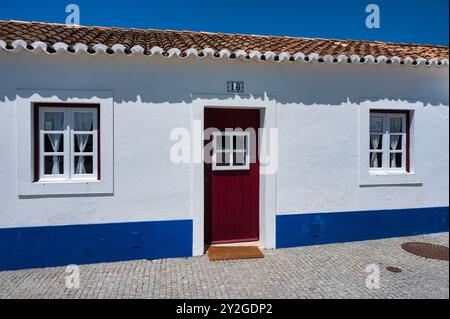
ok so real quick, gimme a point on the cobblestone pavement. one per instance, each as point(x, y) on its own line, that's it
point(326, 271)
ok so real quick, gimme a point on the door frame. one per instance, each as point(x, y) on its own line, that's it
point(267, 183)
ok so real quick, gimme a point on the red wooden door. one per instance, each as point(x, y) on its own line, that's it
point(232, 195)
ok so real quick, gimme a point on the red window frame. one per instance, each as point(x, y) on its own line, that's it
point(407, 114)
point(36, 107)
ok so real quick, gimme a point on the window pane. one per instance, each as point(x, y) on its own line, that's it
point(84, 143)
point(396, 142)
point(396, 124)
point(223, 159)
point(239, 158)
point(395, 160)
point(53, 165)
point(223, 142)
point(240, 142)
point(376, 160)
point(376, 123)
point(54, 121)
point(83, 121)
point(53, 143)
point(376, 141)
point(219, 142)
point(226, 140)
point(84, 164)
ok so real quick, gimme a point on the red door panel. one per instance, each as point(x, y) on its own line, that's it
point(232, 196)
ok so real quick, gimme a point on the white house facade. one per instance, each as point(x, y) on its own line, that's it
point(347, 146)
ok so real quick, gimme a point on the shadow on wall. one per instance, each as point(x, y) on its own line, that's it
point(162, 80)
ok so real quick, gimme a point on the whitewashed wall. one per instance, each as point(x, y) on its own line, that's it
point(318, 115)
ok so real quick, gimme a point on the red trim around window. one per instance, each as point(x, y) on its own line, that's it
point(36, 107)
point(36, 142)
point(408, 132)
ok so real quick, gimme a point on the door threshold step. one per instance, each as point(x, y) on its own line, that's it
point(216, 253)
point(250, 243)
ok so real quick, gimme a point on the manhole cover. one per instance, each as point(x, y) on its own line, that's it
point(427, 250)
point(394, 269)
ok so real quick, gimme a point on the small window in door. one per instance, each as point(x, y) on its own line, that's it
point(231, 151)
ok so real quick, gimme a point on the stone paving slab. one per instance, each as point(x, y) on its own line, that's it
point(325, 271)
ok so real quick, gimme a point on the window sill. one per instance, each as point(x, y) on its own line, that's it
point(388, 173)
point(390, 178)
point(65, 181)
point(66, 188)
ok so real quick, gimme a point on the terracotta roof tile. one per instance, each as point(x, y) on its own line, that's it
point(149, 40)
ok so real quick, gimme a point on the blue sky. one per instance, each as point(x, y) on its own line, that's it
point(412, 21)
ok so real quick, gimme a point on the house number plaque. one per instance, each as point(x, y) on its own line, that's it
point(235, 87)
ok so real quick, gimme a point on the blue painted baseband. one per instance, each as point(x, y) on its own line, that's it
point(47, 246)
point(325, 228)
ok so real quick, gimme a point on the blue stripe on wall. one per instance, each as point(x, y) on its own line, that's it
point(325, 228)
point(33, 247)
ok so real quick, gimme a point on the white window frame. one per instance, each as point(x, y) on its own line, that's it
point(230, 150)
point(69, 145)
point(385, 148)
